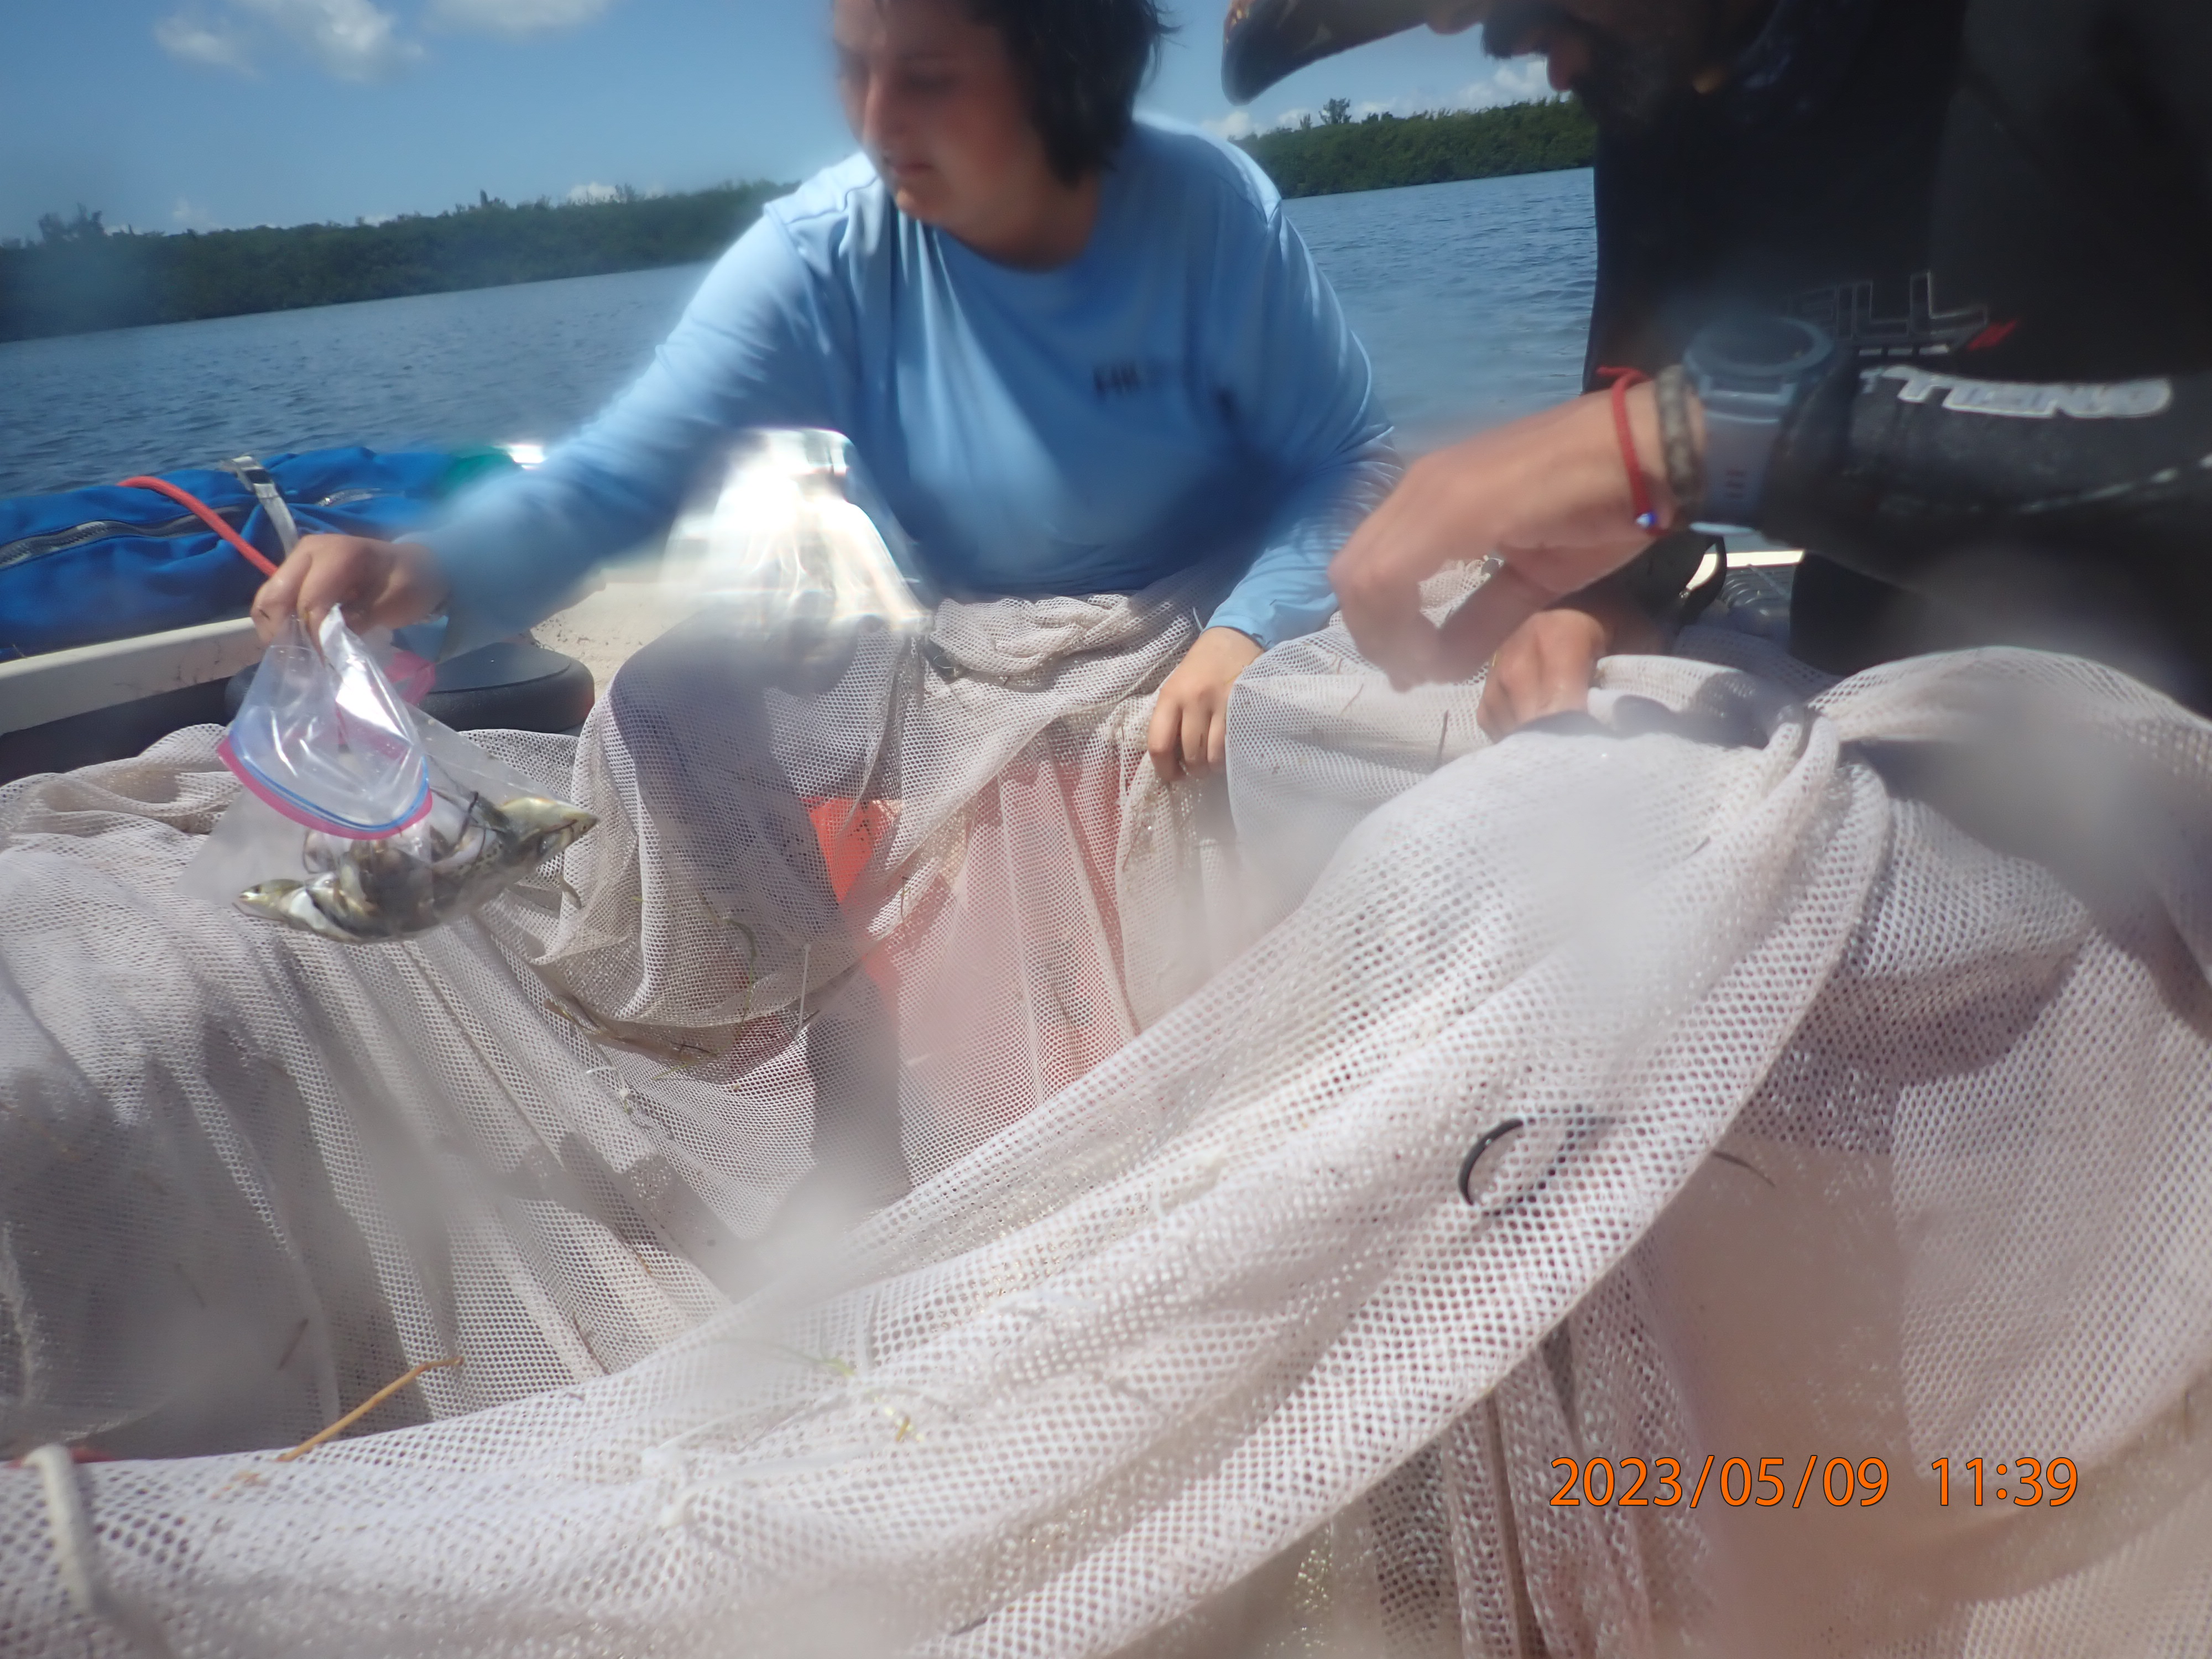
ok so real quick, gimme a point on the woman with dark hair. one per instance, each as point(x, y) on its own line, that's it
point(878, 904)
point(1076, 352)
point(1090, 370)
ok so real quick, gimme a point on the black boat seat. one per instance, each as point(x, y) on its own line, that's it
point(509, 685)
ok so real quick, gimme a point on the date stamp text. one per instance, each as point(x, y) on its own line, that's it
point(1774, 1482)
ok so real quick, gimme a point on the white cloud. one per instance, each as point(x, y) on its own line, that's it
point(193, 39)
point(1240, 124)
point(583, 194)
point(515, 18)
point(188, 217)
point(1516, 80)
point(352, 40)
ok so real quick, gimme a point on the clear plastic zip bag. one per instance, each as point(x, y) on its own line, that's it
point(323, 736)
point(363, 819)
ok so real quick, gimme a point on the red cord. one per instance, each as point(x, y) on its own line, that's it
point(208, 516)
point(1623, 380)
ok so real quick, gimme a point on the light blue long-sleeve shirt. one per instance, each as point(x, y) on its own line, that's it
point(1187, 387)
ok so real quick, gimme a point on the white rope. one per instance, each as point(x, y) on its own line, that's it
point(76, 1552)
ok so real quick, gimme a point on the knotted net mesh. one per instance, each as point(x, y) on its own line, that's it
point(1840, 1058)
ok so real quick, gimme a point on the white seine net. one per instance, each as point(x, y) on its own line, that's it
point(1861, 1047)
point(898, 894)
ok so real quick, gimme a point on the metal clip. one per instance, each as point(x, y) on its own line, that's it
point(255, 476)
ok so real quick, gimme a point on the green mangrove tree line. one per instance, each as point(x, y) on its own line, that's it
point(1337, 153)
point(79, 276)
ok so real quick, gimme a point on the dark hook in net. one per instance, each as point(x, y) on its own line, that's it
point(1490, 1138)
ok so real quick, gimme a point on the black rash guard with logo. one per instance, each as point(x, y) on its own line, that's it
point(2003, 208)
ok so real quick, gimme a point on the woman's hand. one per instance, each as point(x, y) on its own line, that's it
point(1549, 495)
point(379, 584)
point(1190, 722)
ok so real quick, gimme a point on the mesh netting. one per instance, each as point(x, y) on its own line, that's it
point(898, 896)
point(1842, 1062)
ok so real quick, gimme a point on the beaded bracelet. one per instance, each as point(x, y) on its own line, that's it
point(1686, 468)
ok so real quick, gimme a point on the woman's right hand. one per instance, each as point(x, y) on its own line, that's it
point(379, 584)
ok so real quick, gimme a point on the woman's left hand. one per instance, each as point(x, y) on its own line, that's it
point(1190, 723)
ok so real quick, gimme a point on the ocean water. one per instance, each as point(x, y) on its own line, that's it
point(1471, 299)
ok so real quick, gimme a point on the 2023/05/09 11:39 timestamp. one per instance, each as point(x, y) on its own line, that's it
point(1633, 1483)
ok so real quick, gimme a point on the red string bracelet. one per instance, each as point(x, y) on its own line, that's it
point(1624, 379)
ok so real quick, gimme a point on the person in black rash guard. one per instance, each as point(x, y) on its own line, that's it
point(2000, 210)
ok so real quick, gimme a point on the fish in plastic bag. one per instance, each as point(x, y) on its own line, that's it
point(363, 818)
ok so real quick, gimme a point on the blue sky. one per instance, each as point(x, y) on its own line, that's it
point(170, 113)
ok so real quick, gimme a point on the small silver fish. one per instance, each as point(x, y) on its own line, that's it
point(408, 883)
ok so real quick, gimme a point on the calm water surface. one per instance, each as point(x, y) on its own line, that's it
point(1471, 299)
point(1474, 298)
